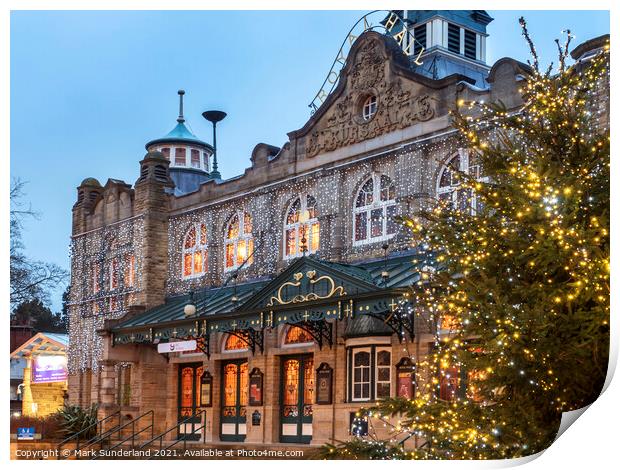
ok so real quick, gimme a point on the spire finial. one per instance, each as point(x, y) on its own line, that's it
point(181, 118)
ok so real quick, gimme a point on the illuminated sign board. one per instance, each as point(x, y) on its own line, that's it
point(49, 369)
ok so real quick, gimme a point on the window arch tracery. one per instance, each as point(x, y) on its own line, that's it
point(374, 210)
point(195, 251)
point(301, 227)
point(239, 243)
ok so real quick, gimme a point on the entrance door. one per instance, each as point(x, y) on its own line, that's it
point(234, 400)
point(190, 385)
point(297, 398)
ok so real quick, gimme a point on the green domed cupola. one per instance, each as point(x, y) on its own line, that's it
point(189, 156)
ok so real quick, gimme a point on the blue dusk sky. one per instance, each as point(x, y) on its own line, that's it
point(90, 88)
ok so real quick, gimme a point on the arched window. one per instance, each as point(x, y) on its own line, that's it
point(296, 335)
point(239, 241)
point(235, 343)
point(374, 212)
point(450, 179)
point(195, 251)
point(301, 227)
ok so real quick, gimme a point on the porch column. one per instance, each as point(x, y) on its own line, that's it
point(28, 405)
point(107, 391)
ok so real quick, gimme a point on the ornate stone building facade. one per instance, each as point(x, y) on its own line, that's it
point(291, 278)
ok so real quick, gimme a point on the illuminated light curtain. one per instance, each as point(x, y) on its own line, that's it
point(114, 273)
point(291, 387)
point(234, 343)
point(452, 176)
point(129, 275)
point(296, 335)
point(96, 275)
point(301, 223)
point(239, 241)
point(374, 211)
point(195, 251)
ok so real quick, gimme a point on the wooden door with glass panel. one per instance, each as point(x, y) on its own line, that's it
point(235, 387)
point(297, 398)
point(190, 390)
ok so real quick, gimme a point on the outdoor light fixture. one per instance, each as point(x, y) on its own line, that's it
point(190, 308)
point(214, 117)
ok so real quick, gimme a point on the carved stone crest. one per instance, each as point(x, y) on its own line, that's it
point(397, 105)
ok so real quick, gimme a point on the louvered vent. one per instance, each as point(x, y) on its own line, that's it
point(144, 172)
point(470, 44)
point(160, 173)
point(454, 38)
point(420, 38)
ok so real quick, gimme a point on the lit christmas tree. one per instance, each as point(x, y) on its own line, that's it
point(520, 278)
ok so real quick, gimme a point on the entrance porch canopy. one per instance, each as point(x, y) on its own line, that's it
point(309, 293)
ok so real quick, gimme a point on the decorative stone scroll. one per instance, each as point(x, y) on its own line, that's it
point(397, 108)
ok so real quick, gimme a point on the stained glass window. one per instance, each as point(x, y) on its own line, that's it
point(309, 388)
point(187, 379)
point(239, 241)
point(291, 387)
point(230, 385)
point(297, 335)
point(301, 228)
point(235, 343)
point(194, 258)
point(375, 209)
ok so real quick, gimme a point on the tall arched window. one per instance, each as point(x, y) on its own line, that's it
point(450, 179)
point(239, 241)
point(301, 227)
point(195, 251)
point(374, 212)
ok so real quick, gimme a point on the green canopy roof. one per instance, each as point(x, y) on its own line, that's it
point(180, 134)
point(401, 270)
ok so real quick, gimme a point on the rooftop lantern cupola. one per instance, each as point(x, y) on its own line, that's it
point(452, 41)
point(190, 157)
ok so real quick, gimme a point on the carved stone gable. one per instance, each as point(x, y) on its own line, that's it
point(399, 102)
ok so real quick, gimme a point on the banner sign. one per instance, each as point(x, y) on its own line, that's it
point(49, 369)
point(177, 346)
point(384, 21)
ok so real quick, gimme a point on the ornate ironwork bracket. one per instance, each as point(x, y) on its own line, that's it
point(321, 330)
point(400, 323)
point(253, 338)
point(202, 344)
